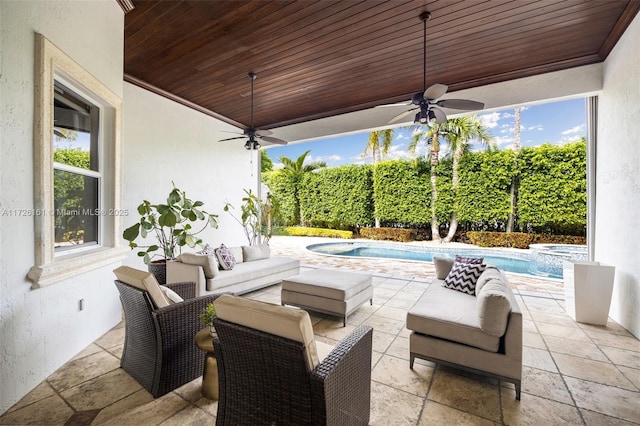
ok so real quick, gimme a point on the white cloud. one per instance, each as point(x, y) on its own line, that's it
point(326, 158)
point(490, 120)
point(537, 127)
point(575, 129)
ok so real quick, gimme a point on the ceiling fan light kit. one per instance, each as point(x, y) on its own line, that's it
point(253, 134)
point(427, 100)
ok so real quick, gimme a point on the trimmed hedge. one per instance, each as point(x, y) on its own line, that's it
point(402, 192)
point(338, 197)
point(302, 231)
point(552, 197)
point(283, 186)
point(484, 190)
point(392, 234)
point(499, 239)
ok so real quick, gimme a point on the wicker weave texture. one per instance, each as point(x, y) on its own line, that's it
point(159, 349)
point(265, 379)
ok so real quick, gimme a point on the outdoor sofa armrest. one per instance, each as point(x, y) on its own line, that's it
point(343, 381)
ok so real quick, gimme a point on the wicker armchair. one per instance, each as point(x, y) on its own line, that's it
point(159, 347)
point(265, 379)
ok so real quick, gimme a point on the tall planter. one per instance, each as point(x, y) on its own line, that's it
point(588, 287)
point(159, 269)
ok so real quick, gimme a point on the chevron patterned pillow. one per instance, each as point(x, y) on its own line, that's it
point(463, 277)
point(225, 257)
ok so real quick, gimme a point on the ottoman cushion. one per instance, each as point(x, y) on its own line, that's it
point(336, 285)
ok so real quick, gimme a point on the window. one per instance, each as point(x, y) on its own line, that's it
point(77, 173)
point(77, 206)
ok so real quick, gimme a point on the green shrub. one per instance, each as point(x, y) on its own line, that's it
point(302, 231)
point(392, 234)
point(558, 239)
point(402, 192)
point(283, 188)
point(552, 197)
point(500, 239)
point(337, 197)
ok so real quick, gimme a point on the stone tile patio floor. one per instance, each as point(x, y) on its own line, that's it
point(573, 373)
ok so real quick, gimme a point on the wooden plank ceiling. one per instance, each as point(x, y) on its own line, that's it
point(317, 59)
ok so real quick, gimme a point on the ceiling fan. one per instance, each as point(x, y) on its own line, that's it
point(427, 101)
point(253, 134)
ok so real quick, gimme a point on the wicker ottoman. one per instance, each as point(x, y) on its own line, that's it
point(328, 291)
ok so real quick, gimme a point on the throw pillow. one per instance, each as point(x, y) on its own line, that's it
point(225, 257)
point(208, 262)
point(443, 266)
point(171, 295)
point(463, 277)
point(257, 252)
point(208, 250)
point(472, 260)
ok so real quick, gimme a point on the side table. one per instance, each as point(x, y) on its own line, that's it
point(204, 341)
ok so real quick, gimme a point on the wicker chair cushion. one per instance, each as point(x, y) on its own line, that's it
point(144, 281)
point(289, 323)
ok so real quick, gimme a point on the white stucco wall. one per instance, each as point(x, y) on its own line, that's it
point(617, 235)
point(165, 142)
point(42, 329)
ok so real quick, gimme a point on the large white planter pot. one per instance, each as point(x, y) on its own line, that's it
point(587, 291)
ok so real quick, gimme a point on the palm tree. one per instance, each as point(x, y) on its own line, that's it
point(379, 143)
point(296, 169)
point(514, 179)
point(459, 132)
point(430, 135)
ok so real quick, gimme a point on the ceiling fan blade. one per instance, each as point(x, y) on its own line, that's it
point(230, 139)
point(441, 117)
point(273, 140)
point(435, 91)
point(460, 104)
point(405, 103)
point(401, 116)
point(263, 132)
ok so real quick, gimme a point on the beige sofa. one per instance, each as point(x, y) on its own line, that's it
point(481, 333)
point(255, 268)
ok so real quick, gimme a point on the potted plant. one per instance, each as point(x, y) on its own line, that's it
point(256, 217)
point(206, 318)
point(172, 225)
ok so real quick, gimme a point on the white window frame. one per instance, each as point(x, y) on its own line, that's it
point(50, 267)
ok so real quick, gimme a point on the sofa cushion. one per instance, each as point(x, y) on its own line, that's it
point(463, 277)
point(248, 271)
point(237, 254)
point(144, 281)
point(294, 324)
point(489, 273)
point(209, 263)
point(225, 258)
point(443, 266)
point(257, 252)
point(451, 315)
point(493, 307)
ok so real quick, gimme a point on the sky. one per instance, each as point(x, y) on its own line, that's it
point(556, 123)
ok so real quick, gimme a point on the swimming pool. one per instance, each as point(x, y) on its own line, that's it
point(520, 262)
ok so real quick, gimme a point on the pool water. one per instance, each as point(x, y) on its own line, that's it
point(507, 261)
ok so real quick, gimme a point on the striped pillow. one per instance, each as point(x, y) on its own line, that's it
point(463, 277)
